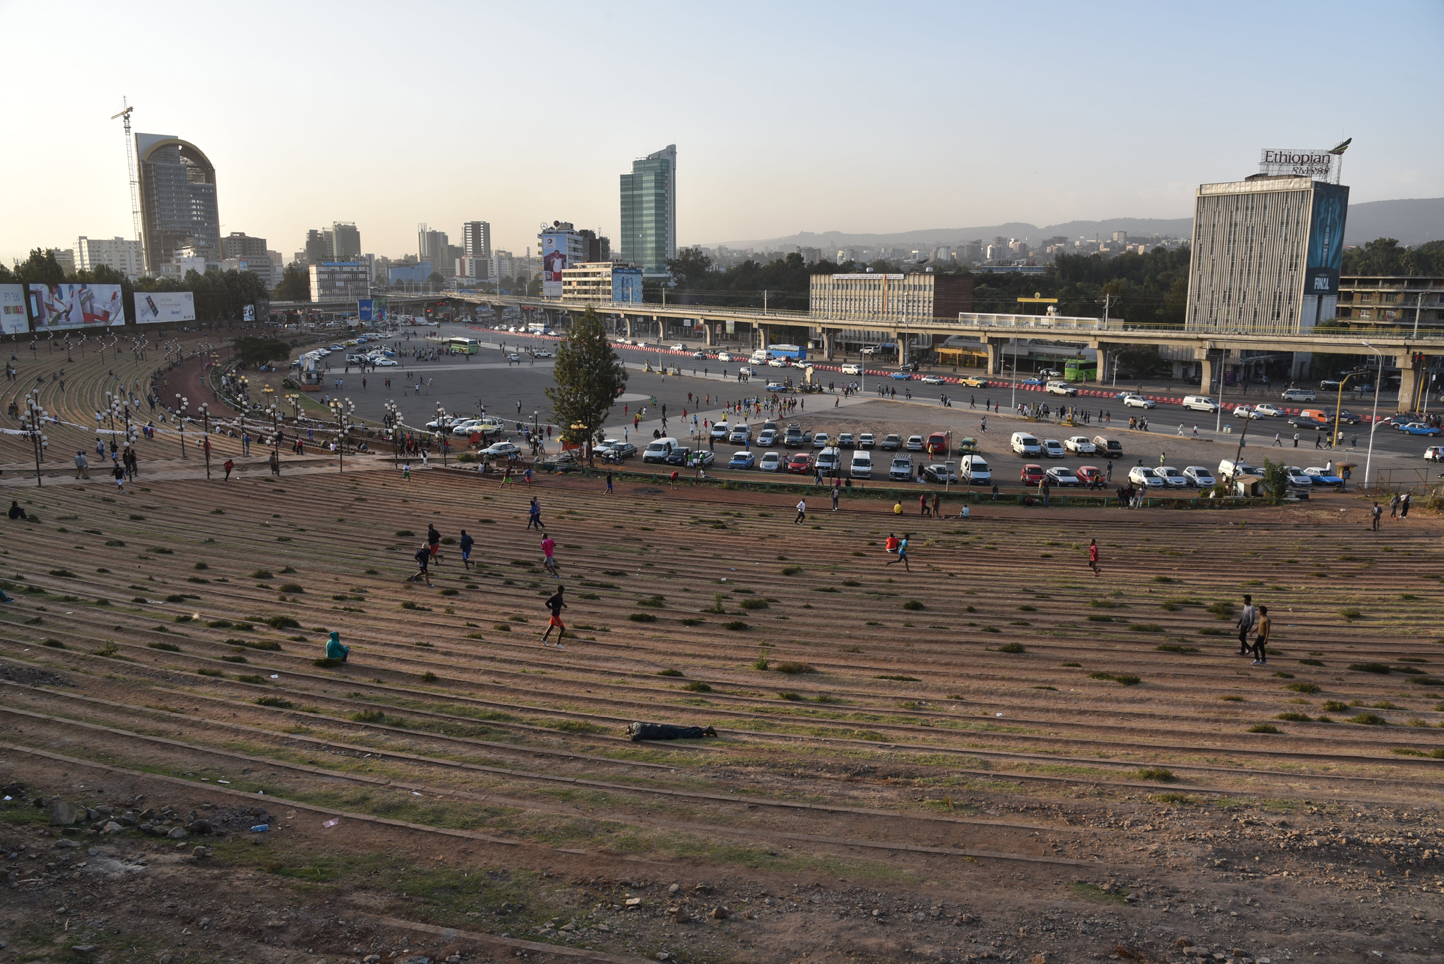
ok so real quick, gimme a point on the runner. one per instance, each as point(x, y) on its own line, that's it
point(801, 512)
point(556, 604)
point(549, 548)
point(433, 542)
point(423, 559)
point(466, 543)
point(1093, 557)
point(118, 474)
point(229, 467)
point(902, 554)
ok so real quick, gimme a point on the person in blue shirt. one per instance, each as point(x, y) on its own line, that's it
point(466, 543)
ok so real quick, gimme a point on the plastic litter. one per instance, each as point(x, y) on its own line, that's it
point(275, 676)
point(260, 828)
point(332, 822)
point(223, 781)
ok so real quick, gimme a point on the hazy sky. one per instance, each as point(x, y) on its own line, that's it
point(787, 116)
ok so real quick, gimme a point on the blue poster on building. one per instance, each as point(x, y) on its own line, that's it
point(1326, 239)
point(627, 286)
point(366, 308)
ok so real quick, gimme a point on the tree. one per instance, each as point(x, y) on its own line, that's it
point(435, 278)
point(260, 351)
point(690, 267)
point(40, 268)
point(1275, 480)
point(295, 285)
point(588, 378)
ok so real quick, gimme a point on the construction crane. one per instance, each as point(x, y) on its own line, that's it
point(124, 116)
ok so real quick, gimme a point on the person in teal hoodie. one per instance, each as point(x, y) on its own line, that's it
point(334, 649)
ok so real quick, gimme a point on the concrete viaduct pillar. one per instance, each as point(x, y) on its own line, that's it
point(1408, 382)
point(627, 320)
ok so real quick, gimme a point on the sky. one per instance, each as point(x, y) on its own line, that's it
point(787, 116)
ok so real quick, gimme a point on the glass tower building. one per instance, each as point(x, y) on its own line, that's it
point(649, 211)
point(177, 200)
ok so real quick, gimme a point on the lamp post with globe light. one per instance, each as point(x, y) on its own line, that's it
point(180, 418)
point(32, 420)
point(392, 421)
point(342, 411)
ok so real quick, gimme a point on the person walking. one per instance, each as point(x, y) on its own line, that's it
point(275, 463)
point(229, 466)
point(836, 491)
point(1246, 621)
point(1296, 440)
point(937, 506)
point(556, 603)
point(1260, 653)
point(1394, 506)
point(1404, 504)
point(801, 512)
point(923, 509)
point(1279, 439)
point(609, 484)
point(82, 465)
point(118, 473)
point(466, 543)
point(549, 560)
point(1374, 515)
point(902, 554)
point(1093, 558)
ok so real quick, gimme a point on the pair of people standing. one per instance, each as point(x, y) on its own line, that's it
point(1256, 621)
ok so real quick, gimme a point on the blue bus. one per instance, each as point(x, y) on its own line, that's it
point(787, 351)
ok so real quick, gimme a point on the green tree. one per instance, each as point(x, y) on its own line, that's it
point(40, 268)
point(295, 285)
point(534, 287)
point(260, 351)
point(690, 267)
point(435, 278)
point(1275, 480)
point(588, 378)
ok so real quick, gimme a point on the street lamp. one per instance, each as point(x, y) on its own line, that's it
point(443, 432)
point(1374, 420)
point(206, 441)
point(180, 417)
point(392, 420)
point(342, 412)
point(31, 421)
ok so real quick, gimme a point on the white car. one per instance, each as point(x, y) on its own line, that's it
point(720, 430)
point(699, 354)
point(747, 370)
point(771, 462)
point(1080, 445)
point(914, 443)
point(1434, 453)
point(513, 356)
point(1061, 475)
point(1144, 476)
point(337, 348)
point(932, 380)
point(1052, 448)
point(387, 363)
point(1138, 401)
point(541, 353)
point(821, 440)
point(777, 363)
point(723, 356)
point(501, 450)
point(867, 441)
point(1246, 411)
point(678, 347)
point(1265, 410)
point(1171, 477)
point(1298, 477)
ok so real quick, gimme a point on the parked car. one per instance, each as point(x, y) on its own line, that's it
point(1079, 445)
point(739, 435)
point(1434, 453)
point(821, 440)
point(938, 473)
point(501, 450)
point(915, 443)
point(845, 441)
point(742, 460)
point(861, 467)
point(1091, 475)
point(800, 464)
point(1031, 474)
point(767, 437)
point(690, 457)
point(901, 470)
point(937, 444)
point(974, 470)
point(1052, 448)
point(796, 438)
point(771, 462)
point(866, 440)
point(891, 443)
point(1138, 401)
point(1171, 477)
point(1198, 476)
point(1324, 477)
point(1297, 477)
point(1144, 476)
point(1061, 475)
point(720, 430)
point(829, 461)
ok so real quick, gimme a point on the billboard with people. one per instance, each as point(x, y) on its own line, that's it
point(13, 319)
point(67, 305)
point(554, 262)
point(1326, 239)
point(159, 307)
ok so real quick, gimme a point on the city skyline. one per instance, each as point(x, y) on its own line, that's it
point(811, 125)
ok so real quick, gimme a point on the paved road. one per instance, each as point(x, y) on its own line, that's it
point(514, 392)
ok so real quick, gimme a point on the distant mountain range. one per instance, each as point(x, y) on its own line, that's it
point(1411, 221)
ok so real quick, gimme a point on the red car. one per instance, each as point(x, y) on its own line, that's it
point(1090, 475)
point(1032, 474)
point(937, 444)
point(800, 464)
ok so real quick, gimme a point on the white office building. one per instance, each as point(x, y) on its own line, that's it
point(121, 254)
point(1266, 255)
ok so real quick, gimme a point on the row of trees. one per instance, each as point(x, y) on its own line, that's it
point(1384, 256)
point(219, 296)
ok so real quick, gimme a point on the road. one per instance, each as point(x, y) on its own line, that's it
point(516, 392)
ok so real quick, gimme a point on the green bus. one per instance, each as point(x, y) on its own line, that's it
point(1080, 370)
point(462, 346)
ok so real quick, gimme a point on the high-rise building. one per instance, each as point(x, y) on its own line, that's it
point(318, 246)
point(596, 247)
point(177, 199)
point(434, 246)
point(649, 211)
point(562, 247)
point(122, 254)
point(340, 280)
point(1266, 254)
point(238, 244)
point(345, 241)
point(476, 239)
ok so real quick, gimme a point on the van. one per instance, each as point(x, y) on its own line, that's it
point(660, 449)
point(1317, 413)
point(861, 465)
point(1025, 444)
point(759, 357)
point(828, 461)
point(1200, 403)
point(1300, 395)
point(1226, 469)
point(974, 470)
point(852, 369)
point(1108, 447)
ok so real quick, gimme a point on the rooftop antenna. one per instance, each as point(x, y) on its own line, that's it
point(124, 116)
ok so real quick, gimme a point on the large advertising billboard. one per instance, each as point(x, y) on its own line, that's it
point(1326, 239)
point(627, 286)
point(554, 262)
point(13, 319)
point(68, 305)
point(159, 307)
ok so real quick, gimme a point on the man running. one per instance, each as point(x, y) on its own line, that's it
point(433, 541)
point(423, 561)
point(534, 515)
point(1093, 557)
point(549, 560)
point(801, 512)
point(466, 543)
point(556, 604)
point(230, 467)
point(902, 554)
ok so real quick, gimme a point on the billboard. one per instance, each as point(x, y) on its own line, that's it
point(366, 309)
point(1319, 165)
point(68, 305)
point(627, 285)
point(13, 319)
point(160, 307)
point(554, 262)
point(1326, 239)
